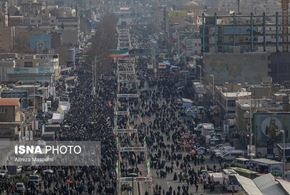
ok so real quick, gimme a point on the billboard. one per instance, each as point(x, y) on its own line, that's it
point(40, 42)
point(267, 126)
point(177, 13)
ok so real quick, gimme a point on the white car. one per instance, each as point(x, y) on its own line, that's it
point(19, 169)
point(201, 150)
point(20, 187)
point(48, 171)
point(212, 148)
point(35, 179)
point(3, 173)
point(232, 154)
point(223, 150)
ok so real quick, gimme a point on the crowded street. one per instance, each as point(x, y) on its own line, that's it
point(161, 97)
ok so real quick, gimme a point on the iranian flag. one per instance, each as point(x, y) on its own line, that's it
point(119, 54)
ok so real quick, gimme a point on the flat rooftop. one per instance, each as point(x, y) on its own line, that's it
point(265, 161)
point(236, 94)
point(9, 101)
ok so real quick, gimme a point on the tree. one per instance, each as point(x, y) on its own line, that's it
point(103, 41)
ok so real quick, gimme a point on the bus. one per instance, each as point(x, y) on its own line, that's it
point(242, 162)
point(246, 172)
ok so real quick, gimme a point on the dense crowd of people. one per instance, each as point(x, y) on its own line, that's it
point(87, 120)
point(160, 123)
point(164, 127)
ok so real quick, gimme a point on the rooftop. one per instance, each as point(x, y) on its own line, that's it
point(266, 161)
point(260, 104)
point(231, 90)
point(24, 86)
point(281, 146)
point(249, 186)
point(236, 94)
point(264, 185)
point(268, 185)
point(285, 185)
point(9, 102)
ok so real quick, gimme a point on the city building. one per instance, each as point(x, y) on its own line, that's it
point(11, 117)
point(226, 97)
point(242, 6)
point(29, 68)
point(251, 68)
point(6, 34)
point(191, 45)
point(259, 113)
point(280, 67)
point(5, 65)
point(240, 33)
point(245, 106)
point(16, 93)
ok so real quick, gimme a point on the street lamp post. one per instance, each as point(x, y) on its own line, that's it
point(213, 95)
point(199, 66)
point(34, 113)
point(251, 131)
point(94, 67)
point(284, 148)
point(178, 44)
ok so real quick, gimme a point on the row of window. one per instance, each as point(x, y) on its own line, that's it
point(3, 110)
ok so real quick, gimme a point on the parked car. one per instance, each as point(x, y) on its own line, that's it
point(20, 187)
point(204, 129)
point(232, 154)
point(133, 175)
point(48, 171)
point(3, 173)
point(231, 183)
point(223, 150)
point(34, 179)
point(201, 150)
point(19, 169)
point(214, 148)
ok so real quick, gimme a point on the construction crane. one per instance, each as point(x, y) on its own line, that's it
point(285, 23)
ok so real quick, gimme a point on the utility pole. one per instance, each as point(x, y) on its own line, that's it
point(251, 131)
point(284, 148)
point(94, 76)
point(154, 62)
point(34, 114)
point(285, 22)
point(200, 75)
point(213, 86)
point(178, 44)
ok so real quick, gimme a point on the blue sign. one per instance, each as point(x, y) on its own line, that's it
point(40, 42)
point(22, 94)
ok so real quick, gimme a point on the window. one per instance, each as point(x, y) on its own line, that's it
point(3, 110)
point(28, 64)
point(231, 103)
